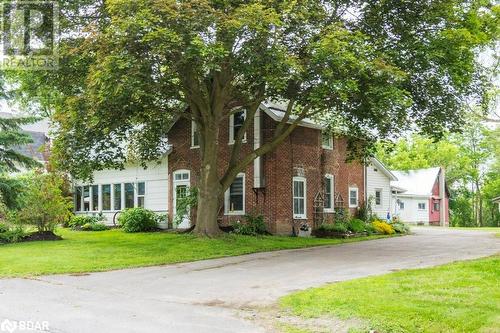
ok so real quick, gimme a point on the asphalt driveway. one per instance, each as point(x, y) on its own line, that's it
point(206, 296)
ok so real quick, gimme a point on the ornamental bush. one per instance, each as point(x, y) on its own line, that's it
point(13, 235)
point(400, 228)
point(253, 226)
point(138, 220)
point(78, 221)
point(94, 227)
point(337, 227)
point(383, 227)
point(357, 226)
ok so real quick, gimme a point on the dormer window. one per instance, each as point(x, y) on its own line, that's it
point(326, 140)
point(236, 121)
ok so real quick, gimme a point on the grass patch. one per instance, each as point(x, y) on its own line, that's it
point(489, 229)
point(81, 252)
point(458, 297)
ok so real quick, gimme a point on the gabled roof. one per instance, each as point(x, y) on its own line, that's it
point(277, 111)
point(379, 165)
point(416, 182)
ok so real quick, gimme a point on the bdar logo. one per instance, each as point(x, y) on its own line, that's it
point(8, 326)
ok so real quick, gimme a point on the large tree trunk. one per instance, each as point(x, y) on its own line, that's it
point(209, 187)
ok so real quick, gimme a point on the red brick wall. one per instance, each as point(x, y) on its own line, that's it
point(301, 150)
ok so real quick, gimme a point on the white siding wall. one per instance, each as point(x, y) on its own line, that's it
point(378, 180)
point(155, 178)
point(411, 213)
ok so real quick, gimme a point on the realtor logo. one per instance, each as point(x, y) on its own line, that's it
point(12, 326)
point(29, 35)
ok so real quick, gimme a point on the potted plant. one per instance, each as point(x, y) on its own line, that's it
point(304, 230)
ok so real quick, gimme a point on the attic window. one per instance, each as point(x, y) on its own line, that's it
point(375, 169)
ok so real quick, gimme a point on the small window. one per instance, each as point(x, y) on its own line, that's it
point(195, 136)
point(129, 195)
point(236, 121)
point(117, 201)
point(235, 197)
point(106, 197)
point(141, 194)
point(326, 140)
point(421, 206)
point(378, 197)
point(95, 197)
point(329, 190)
point(181, 175)
point(436, 206)
point(299, 198)
point(78, 198)
point(353, 197)
point(86, 198)
point(401, 205)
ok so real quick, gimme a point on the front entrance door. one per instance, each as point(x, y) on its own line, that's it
point(181, 185)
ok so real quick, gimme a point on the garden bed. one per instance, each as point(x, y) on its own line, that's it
point(322, 233)
point(41, 236)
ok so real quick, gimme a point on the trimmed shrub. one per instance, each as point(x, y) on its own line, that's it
point(254, 225)
point(12, 236)
point(94, 227)
point(357, 226)
point(138, 220)
point(78, 221)
point(337, 227)
point(370, 229)
point(383, 227)
point(400, 228)
point(3, 228)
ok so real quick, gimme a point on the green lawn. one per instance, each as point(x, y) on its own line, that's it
point(489, 229)
point(99, 251)
point(458, 297)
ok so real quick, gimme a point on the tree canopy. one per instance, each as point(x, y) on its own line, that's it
point(130, 68)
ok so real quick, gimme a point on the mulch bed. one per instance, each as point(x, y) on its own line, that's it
point(332, 234)
point(42, 236)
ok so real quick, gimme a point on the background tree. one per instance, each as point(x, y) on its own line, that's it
point(43, 203)
point(11, 137)
point(129, 69)
point(472, 162)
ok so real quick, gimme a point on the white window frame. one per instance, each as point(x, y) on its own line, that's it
point(330, 141)
point(422, 203)
point(304, 215)
point(401, 205)
point(231, 127)
point(357, 197)
point(91, 205)
point(101, 198)
point(332, 190)
point(137, 196)
point(378, 190)
point(227, 196)
point(193, 131)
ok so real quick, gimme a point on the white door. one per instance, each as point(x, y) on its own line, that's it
point(181, 185)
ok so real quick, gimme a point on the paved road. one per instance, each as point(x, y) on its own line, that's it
point(205, 296)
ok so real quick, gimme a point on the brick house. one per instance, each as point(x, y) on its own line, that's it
point(282, 185)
